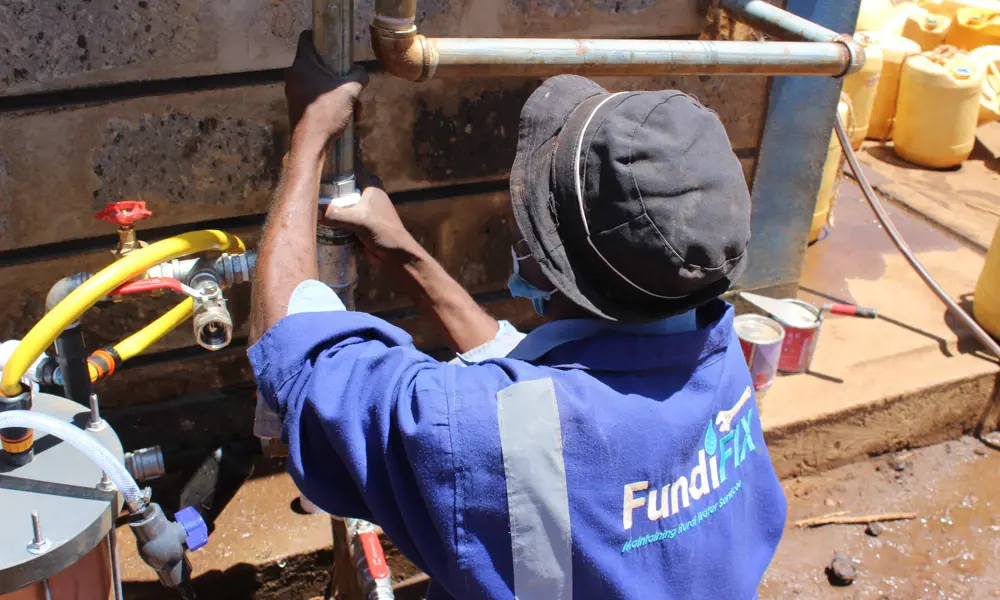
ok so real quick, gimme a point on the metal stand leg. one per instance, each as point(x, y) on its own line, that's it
point(116, 574)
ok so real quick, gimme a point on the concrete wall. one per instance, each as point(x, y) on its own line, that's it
point(179, 103)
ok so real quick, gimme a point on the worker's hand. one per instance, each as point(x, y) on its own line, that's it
point(377, 225)
point(320, 103)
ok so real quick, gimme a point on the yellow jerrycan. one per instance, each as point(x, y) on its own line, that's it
point(989, 99)
point(831, 173)
point(974, 27)
point(986, 302)
point(938, 108)
point(949, 8)
point(873, 14)
point(897, 18)
point(895, 50)
point(926, 28)
point(861, 87)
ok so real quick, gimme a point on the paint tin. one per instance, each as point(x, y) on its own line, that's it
point(761, 339)
point(801, 336)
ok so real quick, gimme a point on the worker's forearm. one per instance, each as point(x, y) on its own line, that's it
point(463, 322)
point(287, 251)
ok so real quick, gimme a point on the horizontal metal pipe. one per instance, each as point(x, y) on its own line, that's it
point(492, 57)
point(778, 22)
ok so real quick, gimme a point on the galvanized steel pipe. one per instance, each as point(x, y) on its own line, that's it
point(333, 37)
point(489, 57)
point(409, 55)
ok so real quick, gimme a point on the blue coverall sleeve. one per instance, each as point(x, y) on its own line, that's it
point(367, 419)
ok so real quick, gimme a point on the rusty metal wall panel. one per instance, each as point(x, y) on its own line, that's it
point(212, 149)
point(217, 154)
point(49, 45)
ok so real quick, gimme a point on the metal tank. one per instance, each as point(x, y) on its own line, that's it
point(59, 513)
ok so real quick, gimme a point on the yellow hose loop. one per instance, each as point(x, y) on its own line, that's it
point(91, 291)
point(137, 343)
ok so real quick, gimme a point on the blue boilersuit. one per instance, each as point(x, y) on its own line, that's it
point(593, 461)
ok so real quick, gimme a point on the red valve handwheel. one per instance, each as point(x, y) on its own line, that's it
point(124, 213)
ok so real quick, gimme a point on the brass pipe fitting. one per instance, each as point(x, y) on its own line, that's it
point(404, 53)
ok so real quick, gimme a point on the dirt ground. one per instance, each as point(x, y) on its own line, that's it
point(951, 550)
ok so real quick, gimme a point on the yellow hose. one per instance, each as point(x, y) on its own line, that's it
point(137, 343)
point(82, 298)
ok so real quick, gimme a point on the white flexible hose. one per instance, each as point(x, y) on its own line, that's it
point(83, 442)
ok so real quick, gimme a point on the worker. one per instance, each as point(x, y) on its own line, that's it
point(615, 451)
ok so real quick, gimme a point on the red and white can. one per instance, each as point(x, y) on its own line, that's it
point(761, 339)
point(801, 337)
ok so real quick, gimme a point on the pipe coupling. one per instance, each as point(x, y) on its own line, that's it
point(145, 464)
point(855, 55)
point(17, 442)
point(235, 269)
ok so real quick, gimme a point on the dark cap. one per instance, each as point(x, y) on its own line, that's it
point(633, 204)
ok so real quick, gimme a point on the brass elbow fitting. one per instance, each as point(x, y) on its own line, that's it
point(404, 52)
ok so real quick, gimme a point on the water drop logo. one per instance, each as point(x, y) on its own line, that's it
point(711, 440)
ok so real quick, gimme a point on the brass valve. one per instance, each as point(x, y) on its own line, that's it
point(125, 214)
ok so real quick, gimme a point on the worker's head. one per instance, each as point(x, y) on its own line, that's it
point(630, 207)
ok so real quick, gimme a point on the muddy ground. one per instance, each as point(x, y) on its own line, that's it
point(951, 550)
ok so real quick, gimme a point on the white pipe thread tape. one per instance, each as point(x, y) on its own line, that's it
point(340, 201)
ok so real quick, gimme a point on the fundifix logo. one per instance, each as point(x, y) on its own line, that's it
point(716, 461)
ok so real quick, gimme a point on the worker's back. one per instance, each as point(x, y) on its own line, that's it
point(620, 464)
point(635, 464)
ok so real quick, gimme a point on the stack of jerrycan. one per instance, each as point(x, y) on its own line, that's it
point(873, 14)
point(938, 108)
point(949, 8)
point(896, 19)
point(926, 28)
point(895, 50)
point(831, 172)
point(862, 87)
point(989, 100)
point(974, 27)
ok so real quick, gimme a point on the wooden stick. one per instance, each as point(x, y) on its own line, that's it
point(838, 519)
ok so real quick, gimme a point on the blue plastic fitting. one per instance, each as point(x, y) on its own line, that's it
point(194, 527)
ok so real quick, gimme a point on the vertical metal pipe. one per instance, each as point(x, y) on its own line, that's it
point(71, 356)
point(797, 129)
point(333, 36)
point(403, 10)
point(116, 573)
